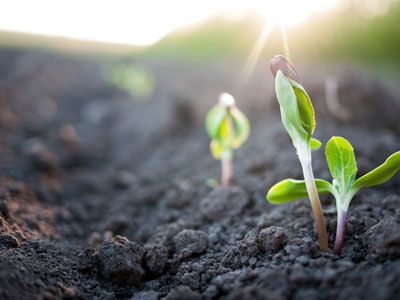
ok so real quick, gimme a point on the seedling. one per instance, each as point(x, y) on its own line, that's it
point(298, 118)
point(228, 129)
point(342, 165)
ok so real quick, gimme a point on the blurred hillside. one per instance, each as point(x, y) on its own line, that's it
point(342, 35)
point(61, 44)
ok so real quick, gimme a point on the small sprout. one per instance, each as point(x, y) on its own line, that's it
point(342, 165)
point(228, 129)
point(298, 118)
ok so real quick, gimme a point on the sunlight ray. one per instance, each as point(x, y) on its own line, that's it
point(250, 64)
point(285, 41)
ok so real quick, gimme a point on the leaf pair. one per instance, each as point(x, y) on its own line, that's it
point(342, 165)
point(298, 118)
point(227, 127)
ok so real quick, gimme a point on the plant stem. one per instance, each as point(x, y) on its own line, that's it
point(226, 169)
point(340, 230)
point(314, 199)
point(227, 155)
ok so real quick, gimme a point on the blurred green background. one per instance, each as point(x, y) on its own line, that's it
point(345, 36)
point(369, 39)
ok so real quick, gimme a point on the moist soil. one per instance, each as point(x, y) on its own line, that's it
point(108, 196)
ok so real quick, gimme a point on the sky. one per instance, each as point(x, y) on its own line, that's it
point(142, 22)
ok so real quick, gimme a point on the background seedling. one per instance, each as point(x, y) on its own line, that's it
point(298, 118)
point(342, 165)
point(228, 129)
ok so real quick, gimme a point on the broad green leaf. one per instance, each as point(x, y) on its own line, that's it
point(289, 190)
point(306, 109)
point(214, 119)
point(381, 174)
point(289, 109)
point(241, 127)
point(342, 163)
point(315, 144)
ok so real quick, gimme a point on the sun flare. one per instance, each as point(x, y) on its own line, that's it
point(141, 22)
point(291, 12)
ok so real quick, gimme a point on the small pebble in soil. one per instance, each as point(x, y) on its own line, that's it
point(87, 260)
point(383, 239)
point(164, 234)
point(156, 258)
point(231, 258)
point(8, 241)
point(197, 267)
point(249, 245)
point(191, 279)
point(145, 295)
point(189, 242)
point(272, 239)
point(182, 293)
point(153, 284)
point(211, 292)
point(120, 261)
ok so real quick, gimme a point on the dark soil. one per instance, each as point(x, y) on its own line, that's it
point(103, 196)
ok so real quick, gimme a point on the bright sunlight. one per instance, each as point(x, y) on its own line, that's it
point(291, 12)
point(141, 22)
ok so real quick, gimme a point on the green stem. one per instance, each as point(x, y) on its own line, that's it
point(305, 160)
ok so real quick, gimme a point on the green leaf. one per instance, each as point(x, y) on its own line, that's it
point(342, 163)
point(315, 144)
point(241, 127)
point(228, 128)
point(381, 174)
point(216, 149)
point(214, 119)
point(306, 109)
point(289, 190)
point(290, 109)
point(225, 134)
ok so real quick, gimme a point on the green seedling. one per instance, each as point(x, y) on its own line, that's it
point(342, 165)
point(298, 118)
point(228, 129)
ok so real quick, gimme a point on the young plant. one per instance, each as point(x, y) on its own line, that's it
point(228, 129)
point(342, 165)
point(298, 118)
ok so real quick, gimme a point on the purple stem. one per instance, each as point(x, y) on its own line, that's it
point(226, 171)
point(340, 230)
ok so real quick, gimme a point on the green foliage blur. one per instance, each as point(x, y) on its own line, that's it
point(135, 80)
point(340, 35)
point(343, 35)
